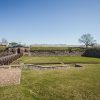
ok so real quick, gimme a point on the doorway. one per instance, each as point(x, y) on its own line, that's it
point(18, 51)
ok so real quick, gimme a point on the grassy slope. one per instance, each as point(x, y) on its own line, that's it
point(56, 59)
point(70, 84)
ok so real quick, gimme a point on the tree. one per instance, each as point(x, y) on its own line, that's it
point(13, 44)
point(87, 40)
point(4, 41)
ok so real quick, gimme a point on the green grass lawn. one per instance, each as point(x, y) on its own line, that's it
point(44, 60)
point(66, 84)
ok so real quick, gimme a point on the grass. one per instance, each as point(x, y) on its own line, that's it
point(2, 48)
point(64, 59)
point(48, 48)
point(66, 84)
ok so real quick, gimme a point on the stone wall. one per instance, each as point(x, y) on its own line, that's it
point(56, 53)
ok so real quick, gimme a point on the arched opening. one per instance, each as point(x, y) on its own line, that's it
point(25, 50)
point(18, 50)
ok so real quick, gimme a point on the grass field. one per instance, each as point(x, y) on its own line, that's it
point(66, 84)
point(44, 60)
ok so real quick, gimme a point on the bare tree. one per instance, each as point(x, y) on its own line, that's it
point(87, 40)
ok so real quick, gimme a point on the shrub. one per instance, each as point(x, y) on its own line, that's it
point(92, 52)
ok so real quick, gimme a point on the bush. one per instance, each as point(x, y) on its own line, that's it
point(92, 52)
point(79, 49)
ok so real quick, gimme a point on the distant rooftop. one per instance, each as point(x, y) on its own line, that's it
point(14, 45)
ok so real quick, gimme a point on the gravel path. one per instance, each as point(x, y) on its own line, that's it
point(10, 76)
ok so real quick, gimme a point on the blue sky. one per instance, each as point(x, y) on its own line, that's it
point(49, 21)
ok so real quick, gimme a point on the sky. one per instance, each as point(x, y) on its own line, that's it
point(49, 21)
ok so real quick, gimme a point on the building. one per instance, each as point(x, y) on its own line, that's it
point(19, 49)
